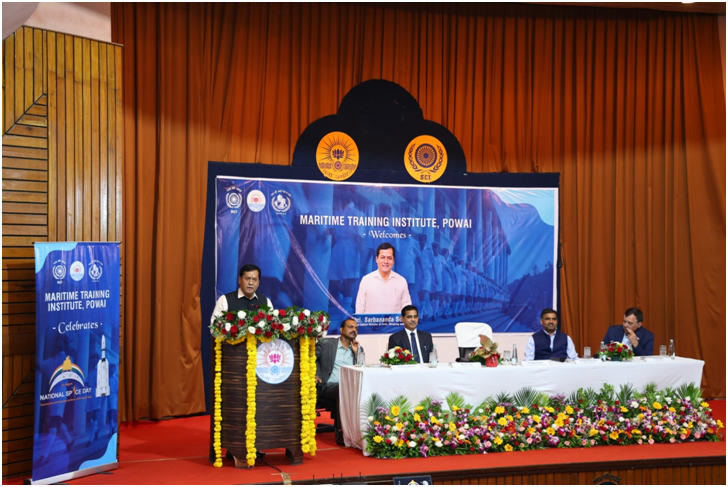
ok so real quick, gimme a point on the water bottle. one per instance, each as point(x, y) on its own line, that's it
point(602, 351)
point(671, 348)
point(514, 355)
point(360, 357)
point(433, 356)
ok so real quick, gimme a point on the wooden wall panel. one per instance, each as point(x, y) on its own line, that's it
point(61, 180)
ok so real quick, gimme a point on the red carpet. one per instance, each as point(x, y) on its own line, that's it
point(176, 452)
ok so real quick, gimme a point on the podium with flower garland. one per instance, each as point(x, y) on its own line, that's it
point(264, 384)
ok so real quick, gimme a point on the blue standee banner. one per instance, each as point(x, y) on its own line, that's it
point(484, 254)
point(77, 359)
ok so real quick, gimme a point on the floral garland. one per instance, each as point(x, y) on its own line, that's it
point(218, 404)
point(265, 325)
point(585, 419)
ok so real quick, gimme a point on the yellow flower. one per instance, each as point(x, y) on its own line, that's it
point(398, 426)
point(559, 422)
point(550, 431)
point(433, 420)
point(640, 416)
point(525, 410)
point(377, 423)
point(455, 409)
point(705, 404)
point(508, 448)
point(419, 408)
point(614, 435)
point(416, 417)
point(656, 405)
point(671, 409)
point(500, 410)
point(498, 440)
point(720, 424)
point(569, 410)
point(593, 432)
point(502, 421)
point(395, 411)
point(252, 383)
point(509, 417)
point(399, 443)
point(636, 432)
point(218, 403)
point(531, 430)
point(536, 418)
point(378, 439)
point(452, 427)
point(623, 409)
point(388, 418)
point(549, 409)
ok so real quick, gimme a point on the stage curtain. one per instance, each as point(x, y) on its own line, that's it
point(628, 105)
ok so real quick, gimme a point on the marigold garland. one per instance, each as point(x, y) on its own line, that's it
point(312, 395)
point(218, 404)
point(305, 409)
point(250, 418)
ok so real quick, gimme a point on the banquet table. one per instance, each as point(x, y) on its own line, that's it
point(476, 383)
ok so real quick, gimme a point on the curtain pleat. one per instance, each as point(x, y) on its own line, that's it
point(628, 105)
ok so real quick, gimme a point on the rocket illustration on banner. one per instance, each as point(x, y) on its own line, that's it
point(102, 371)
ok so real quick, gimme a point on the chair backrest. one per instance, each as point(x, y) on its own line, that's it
point(468, 334)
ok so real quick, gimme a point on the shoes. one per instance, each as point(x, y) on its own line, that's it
point(340, 438)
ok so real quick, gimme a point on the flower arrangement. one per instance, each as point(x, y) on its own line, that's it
point(617, 351)
point(508, 424)
point(264, 324)
point(397, 356)
point(488, 349)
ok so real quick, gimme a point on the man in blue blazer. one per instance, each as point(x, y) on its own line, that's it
point(410, 338)
point(632, 333)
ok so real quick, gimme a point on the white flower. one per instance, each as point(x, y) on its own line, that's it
point(286, 326)
point(227, 326)
point(307, 313)
point(633, 404)
point(262, 324)
point(370, 418)
point(412, 444)
point(251, 329)
point(324, 320)
point(241, 314)
point(317, 328)
point(438, 443)
point(393, 439)
point(275, 312)
point(295, 321)
point(461, 437)
point(668, 400)
point(621, 420)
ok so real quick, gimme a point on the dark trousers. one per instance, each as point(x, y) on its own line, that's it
point(330, 392)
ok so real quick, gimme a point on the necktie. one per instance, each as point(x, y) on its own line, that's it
point(415, 352)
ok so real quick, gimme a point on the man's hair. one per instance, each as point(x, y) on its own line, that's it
point(343, 323)
point(249, 268)
point(637, 314)
point(547, 311)
point(385, 246)
point(408, 308)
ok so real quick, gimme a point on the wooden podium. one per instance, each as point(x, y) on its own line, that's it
point(278, 408)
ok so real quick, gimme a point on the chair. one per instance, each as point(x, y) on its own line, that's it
point(468, 337)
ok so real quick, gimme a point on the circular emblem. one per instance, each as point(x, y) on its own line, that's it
point(59, 271)
point(95, 270)
point(425, 158)
point(275, 361)
point(256, 200)
point(281, 201)
point(337, 156)
point(234, 200)
point(77, 271)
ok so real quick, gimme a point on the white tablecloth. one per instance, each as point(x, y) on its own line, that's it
point(416, 382)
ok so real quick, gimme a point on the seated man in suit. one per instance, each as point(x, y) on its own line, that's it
point(331, 354)
point(632, 333)
point(417, 342)
point(549, 342)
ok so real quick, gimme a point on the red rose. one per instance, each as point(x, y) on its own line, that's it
point(256, 319)
point(261, 314)
point(268, 334)
point(282, 312)
point(230, 316)
point(300, 330)
point(388, 441)
point(258, 331)
point(400, 356)
point(301, 317)
point(269, 317)
point(472, 449)
point(233, 330)
point(241, 323)
point(310, 329)
point(223, 330)
point(321, 318)
point(310, 320)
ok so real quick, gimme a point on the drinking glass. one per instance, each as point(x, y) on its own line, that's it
point(663, 350)
point(507, 356)
point(587, 352)
point(360, 358)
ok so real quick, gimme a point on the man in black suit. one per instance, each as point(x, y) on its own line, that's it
point(331, 354)
point(417, 342)
point(632, 333)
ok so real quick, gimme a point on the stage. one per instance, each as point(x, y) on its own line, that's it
point(176, 452)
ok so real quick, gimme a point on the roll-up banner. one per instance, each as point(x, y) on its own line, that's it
point(482, 254)
point(77, 359)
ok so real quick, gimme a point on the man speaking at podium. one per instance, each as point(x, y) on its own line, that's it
point(245, 297)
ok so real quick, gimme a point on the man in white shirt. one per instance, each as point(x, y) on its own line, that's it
point(383, 291)
point(549, 342)
point(245, 297)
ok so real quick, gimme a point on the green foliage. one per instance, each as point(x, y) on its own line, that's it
point(456, 399)
point(503, 397)
point(626, 393)
point(369, 407)
point(606, 393)
point(584, 397)
point(528, 396)
point(405, 406)
point(691, 391)
point(426, 403)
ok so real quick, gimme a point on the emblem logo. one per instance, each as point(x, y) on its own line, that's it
point(77, 271)
point(59, 270)
point(67, 370)
point(95, 269)
point(280, 201)
point(425, 159)
point(275, 361)
point(234, 199)
point(337, 156)
point(256, 200)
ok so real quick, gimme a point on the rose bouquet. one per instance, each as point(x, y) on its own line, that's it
point(266, 324)
point(617, 352)
point(397, 356)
